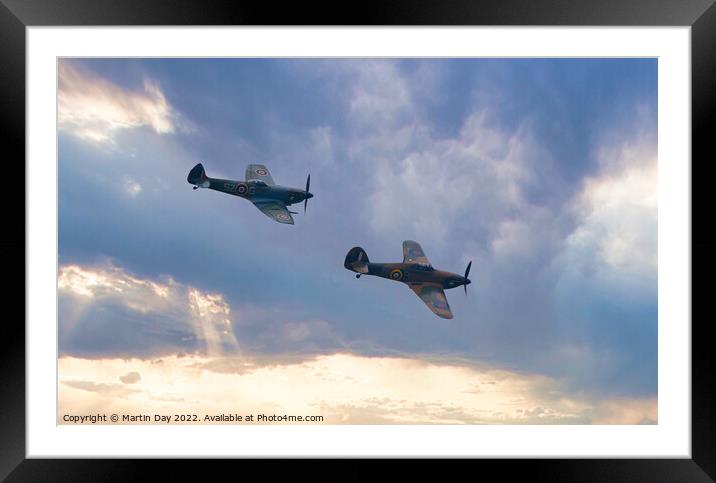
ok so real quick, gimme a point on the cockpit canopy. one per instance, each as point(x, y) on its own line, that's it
point(256, 182)
point(426, 267)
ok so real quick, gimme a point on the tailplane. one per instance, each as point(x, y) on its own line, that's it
point(357, 260)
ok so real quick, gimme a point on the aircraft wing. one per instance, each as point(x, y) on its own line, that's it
point(413, 253)
point(260, 172)
point(274, 209)
point(434, 297)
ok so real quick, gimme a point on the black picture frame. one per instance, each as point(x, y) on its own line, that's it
point(700, 15)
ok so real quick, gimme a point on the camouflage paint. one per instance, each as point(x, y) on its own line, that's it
point(259, 188)
point(415, 271)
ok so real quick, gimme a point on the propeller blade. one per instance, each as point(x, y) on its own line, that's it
point(308, 185)
point(467, 272)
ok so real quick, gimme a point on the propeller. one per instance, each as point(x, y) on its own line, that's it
point(308, 185)
point(467, 280)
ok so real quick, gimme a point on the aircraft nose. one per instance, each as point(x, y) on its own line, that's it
point(309, 196)
point(467, 281)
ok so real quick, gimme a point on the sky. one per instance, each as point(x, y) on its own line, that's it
point(542, 172)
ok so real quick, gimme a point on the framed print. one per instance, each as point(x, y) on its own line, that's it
point(208, 210)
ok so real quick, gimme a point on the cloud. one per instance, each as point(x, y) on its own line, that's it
point(132, 188)
point(489, 187)
point(564, 272)
point(105, 308)
point(617, 209)
point(130, 377)
point(109, 390)
point(344, 388)
point(93, 108)
point(558, 271)
point(477, 179)
point(280, 334)
point(606, 276)
point(380, 97)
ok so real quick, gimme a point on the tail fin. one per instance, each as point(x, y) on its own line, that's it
point(197, 175)
point(357, 260)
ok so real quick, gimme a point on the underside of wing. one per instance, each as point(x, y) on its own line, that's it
point(434, 297)
point(413, 253)
point(260, 172)
point(274, 209)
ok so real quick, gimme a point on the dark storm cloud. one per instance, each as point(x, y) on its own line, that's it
point(477, 159)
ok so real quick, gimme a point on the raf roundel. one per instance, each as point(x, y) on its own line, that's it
point(241, 188)
point(283, 216)
point(396, 274)
point(261, 172)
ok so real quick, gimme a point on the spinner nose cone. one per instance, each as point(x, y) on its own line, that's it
point(468, 281)
point(309, 196)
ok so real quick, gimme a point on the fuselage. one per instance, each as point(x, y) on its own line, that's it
point(415, 273)
point(255, 189)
